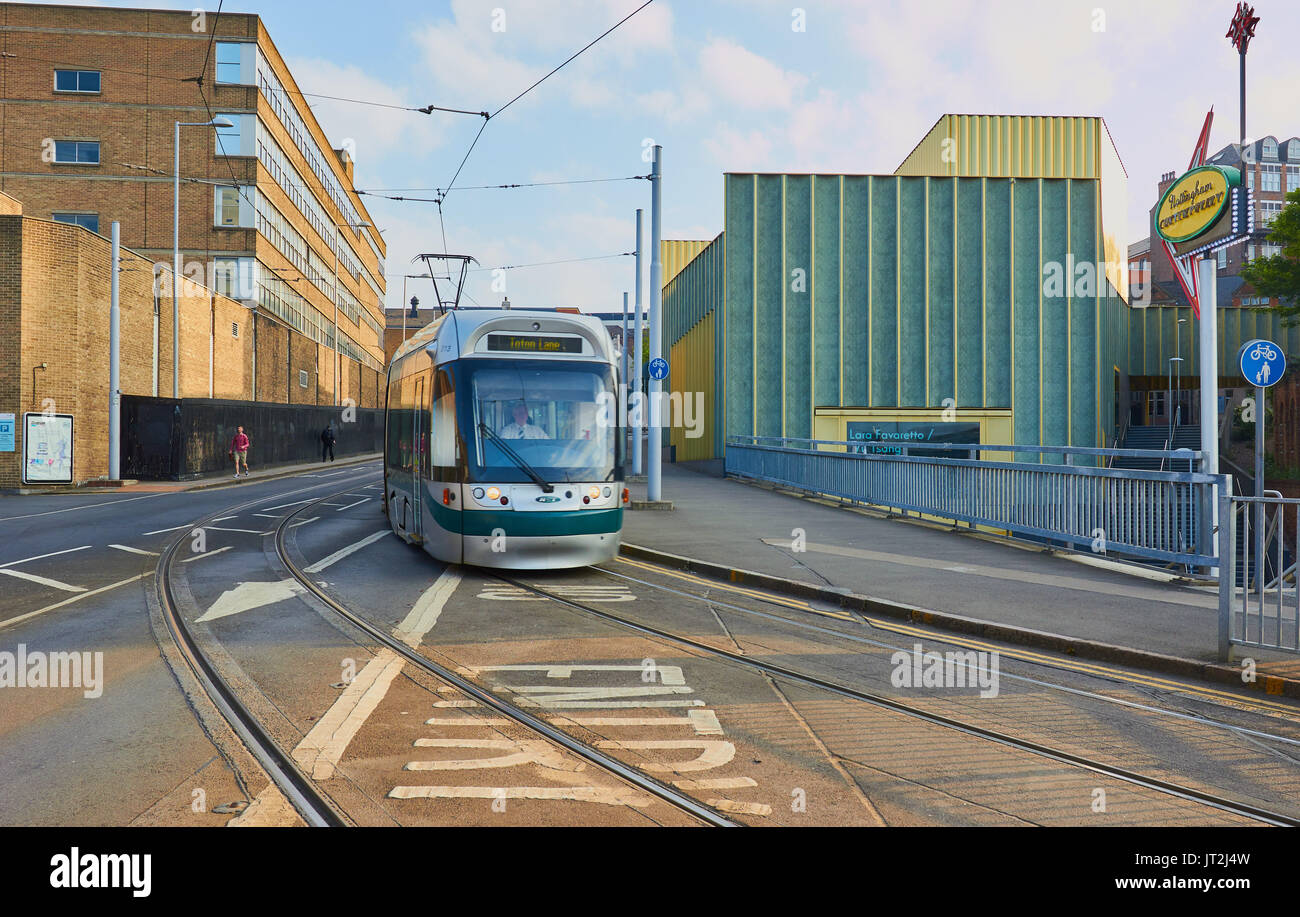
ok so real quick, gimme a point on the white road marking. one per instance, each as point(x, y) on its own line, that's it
point(14, 563)
point(609, 796)
point(350, 505)
point(131, 550)
point(321, 749)
point(739, 808)
point(716, 783)
point(172, 529)
point(424, 613)
point(203, 554)
point(76, 598)
point(53, 583)
point(218, 528)
point(704, 722)
point(344, 552)
point(224, 518)
point(247, 596)
point(304, 522)
point(286, 505)
point(467, 721)
point(269, 809)
point(517, 752)
point(713, 753)
point(73, 509)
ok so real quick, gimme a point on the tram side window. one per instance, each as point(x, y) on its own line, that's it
point(422, 414)
point(407, 445)
point(393, 459)
point(442, 433)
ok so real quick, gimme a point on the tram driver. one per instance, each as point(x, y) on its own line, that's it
point(521, 428)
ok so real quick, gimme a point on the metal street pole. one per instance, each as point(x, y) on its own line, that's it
point(114, 344)
point(1207, 271)
point(655, 444)
point(636, 359)
point(1259, 492)
point(623, 367)
point(176, 264)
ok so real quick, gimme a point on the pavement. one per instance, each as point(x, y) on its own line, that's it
point(200, 482)
point(953, 579)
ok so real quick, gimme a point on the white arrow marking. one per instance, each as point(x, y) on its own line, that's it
point(247, 596)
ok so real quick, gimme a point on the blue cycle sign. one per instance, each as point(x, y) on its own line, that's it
point(1262, 362)
point(658, 369)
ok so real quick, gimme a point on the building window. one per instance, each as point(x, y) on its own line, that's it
point(236, 140)
point(234, 329)
point(88, 220)
point(1293, 174)
point(231, 65)
point(1270, 178)
point(302, 378)
point(1223, 258)
point(1269, 211)
point(79, 152)
point(76, 81)
point(1250, 179)
point(233, 207)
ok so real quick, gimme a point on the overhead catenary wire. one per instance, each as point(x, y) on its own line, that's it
point(488, 117)
point(378, 192)
point(513, 267)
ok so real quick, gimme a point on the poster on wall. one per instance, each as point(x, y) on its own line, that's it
point(47, 448)
point(7, 433)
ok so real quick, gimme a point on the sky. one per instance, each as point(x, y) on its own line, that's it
point(729, 85)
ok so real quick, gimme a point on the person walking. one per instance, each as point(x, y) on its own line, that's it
point(239, 450)
point(327, 440)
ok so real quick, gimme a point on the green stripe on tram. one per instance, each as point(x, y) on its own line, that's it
point(524, 524)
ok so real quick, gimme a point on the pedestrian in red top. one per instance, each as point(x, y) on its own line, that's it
point(239, 450)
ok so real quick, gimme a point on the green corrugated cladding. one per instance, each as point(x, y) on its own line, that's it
point(893, 291)
point(695, 295)
point(1155, 336)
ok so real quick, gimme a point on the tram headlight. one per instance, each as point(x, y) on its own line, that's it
point(478, 493)
point(492, 493)
point(593, 492)
point(606, 492)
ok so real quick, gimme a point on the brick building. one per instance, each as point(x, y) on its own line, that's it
point(273, 237)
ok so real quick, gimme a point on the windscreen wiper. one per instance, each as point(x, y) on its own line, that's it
point(509, 453)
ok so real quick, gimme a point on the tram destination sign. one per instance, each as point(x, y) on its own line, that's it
point(532, 343)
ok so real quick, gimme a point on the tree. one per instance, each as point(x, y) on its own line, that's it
point(1278, 275)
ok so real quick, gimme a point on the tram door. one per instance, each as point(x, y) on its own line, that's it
point(419, 460)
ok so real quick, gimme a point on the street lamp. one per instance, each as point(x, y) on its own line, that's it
point(176, 244)
point(337, 241)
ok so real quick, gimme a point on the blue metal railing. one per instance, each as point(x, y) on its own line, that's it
point(1153, 515)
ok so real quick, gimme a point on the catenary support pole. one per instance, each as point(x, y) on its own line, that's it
point(636, 372)
point(654, 444)
point(114, 355)
point(623, 368)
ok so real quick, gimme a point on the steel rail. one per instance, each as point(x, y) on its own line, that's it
point(1064, 757)
point(956, 640)
point(587, 752)
point(314, 807)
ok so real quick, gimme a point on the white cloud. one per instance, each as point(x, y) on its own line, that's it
point(744, 78)
point(374, 132)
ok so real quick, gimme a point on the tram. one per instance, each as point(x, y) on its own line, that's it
point(501, 440)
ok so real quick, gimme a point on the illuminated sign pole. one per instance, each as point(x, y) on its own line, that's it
point(1241, 31)
point(1205, 209)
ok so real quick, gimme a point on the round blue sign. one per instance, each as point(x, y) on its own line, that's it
point(1262, 362)
point(658, 369)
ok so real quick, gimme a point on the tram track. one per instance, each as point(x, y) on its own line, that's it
point(550, 733)
point(315, 807)
point(773, 670)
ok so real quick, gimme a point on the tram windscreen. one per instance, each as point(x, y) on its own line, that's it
point(561, 419)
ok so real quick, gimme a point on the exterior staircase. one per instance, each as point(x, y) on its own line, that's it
point(1156, 436)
